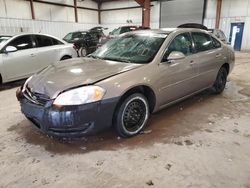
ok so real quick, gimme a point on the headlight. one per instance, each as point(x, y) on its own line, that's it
point(82, 95)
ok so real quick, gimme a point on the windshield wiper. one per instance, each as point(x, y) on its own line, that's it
point(93, 56)
point(124, 60)
point(119, 60)
point(111, 59)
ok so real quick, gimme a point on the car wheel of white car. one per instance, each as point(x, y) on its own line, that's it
point(65, 57)
point(132, 115)
point(83, 52)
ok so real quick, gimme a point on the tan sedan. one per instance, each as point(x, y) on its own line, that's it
point(124, 81)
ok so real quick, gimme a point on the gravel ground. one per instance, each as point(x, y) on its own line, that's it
point(201, 142)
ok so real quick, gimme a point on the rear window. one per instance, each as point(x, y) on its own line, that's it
point(202, 41)
point(74, 36)
point(56, 42)
point(42, 41)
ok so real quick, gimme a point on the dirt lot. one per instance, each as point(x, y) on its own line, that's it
point(201, 142)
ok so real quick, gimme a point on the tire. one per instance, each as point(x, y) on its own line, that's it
point(221, 80)
point(83, 52)
point(128, 124)
point(65, 57)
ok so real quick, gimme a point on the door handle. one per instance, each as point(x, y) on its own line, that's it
point(217, 55)
point(32, 55)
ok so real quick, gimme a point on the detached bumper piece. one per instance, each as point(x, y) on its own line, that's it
point(66, 121)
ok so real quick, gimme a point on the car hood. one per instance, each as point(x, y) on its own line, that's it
point(72, 73)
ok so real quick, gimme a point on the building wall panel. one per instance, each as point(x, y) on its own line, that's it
point(58, 29)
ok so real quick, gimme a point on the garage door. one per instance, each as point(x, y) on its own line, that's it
point(177, 12)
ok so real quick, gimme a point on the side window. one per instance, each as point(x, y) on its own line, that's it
point(181, 43)
point(22, 43)
point(42, 41)
point(202, 41)
point(216, 43)
point(56, 42)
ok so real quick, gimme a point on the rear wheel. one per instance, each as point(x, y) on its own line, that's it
point(132, 115)
point(221, 80)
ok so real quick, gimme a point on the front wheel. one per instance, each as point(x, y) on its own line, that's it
point(221, 80)
point(132, 115)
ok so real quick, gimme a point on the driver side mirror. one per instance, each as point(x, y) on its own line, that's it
point(173, 56)
point(9, 49)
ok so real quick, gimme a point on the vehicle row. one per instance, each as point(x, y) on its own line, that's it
point(23, 55)
point(88, 41)
point(124, 81)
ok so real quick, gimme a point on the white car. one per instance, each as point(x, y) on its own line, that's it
point(24, 54)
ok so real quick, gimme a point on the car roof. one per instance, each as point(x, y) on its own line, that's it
point(98, 27)
point(169, 30)
point(6, 35)
point(79, 31)
point(23, 34)
point(129, 26)
point(214, 30)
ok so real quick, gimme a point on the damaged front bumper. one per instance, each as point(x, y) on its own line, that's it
point(68, 121)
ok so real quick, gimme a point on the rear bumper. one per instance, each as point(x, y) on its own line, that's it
point(69, 121)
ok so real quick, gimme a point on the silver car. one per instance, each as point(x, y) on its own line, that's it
point(219, 34)
point(124, 81)
point(24, 54)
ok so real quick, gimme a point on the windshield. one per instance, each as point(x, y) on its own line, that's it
point(4, 38)
point(134, 48)
point(74, 36)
